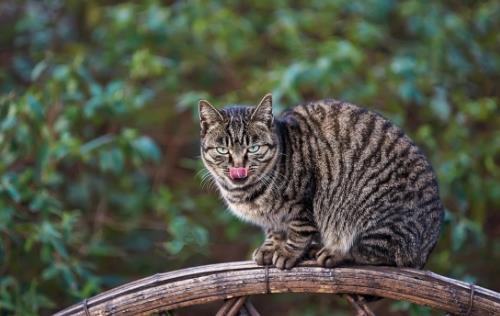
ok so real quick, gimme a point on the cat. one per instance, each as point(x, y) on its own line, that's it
point(328, 178)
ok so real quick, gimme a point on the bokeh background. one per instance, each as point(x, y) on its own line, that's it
point(99, 161)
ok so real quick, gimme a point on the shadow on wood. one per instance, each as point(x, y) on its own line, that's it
point(199, 285)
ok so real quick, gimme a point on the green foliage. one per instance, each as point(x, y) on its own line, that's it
point(98, 126)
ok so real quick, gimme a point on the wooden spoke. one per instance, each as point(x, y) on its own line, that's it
point(231, 307)
point(252, 311)
point(361, 308)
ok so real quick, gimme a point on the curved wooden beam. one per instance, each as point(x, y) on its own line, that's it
point(199, 285)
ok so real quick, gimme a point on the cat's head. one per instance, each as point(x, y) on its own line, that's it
point(238, 145)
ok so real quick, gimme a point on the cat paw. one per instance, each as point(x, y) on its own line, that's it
point(312, 252)
point(263, 255)
point(284, 258)
point(329, 258)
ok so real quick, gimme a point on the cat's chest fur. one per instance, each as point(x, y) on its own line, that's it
point(257, 212)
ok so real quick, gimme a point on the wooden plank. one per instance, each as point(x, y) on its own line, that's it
point(199, 285)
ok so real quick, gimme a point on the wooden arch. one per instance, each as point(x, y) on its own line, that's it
point(237, 280)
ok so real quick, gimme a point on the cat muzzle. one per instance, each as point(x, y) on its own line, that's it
point(238, 173)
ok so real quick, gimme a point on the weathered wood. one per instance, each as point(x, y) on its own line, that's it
point(199, 285)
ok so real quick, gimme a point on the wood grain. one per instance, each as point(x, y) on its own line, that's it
point(199, 285)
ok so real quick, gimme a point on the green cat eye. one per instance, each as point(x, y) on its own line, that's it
point(253, 149)
point(222, 150)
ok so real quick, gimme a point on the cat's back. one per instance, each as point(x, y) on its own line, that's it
point(341, 126)
point(354, 147)
point(341, 120)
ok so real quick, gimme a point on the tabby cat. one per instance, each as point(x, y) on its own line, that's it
point(326, 177)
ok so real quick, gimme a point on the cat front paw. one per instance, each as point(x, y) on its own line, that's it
point(284, 258)
point(329, 258)
point(263, 255)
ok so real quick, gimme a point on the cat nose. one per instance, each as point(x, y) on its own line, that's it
point(238, 172)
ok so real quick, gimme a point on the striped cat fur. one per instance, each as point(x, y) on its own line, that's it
point(328, 179)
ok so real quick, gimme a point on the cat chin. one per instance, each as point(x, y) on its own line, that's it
point(238, 182)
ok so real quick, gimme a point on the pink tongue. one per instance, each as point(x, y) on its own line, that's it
point(238, 173)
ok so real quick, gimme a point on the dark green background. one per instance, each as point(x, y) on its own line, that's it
point(99, 165)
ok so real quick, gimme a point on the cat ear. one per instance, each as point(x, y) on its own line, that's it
point(264, 111)
point(208, 114)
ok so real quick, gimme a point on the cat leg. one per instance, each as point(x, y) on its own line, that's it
point(336, 249)
point(366, 254)
point(390, 254)
point(299, 236)
point(263, 255)
point(388, 246)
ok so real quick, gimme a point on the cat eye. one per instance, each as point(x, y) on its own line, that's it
point(253, 149)
point(222, 150)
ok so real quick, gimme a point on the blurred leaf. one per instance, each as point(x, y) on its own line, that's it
point(111, 160)
point(96, 143)
point(147, 148)
point(440, 105)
